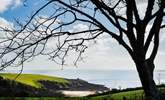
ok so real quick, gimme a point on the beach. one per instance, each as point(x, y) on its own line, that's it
point(77, 93)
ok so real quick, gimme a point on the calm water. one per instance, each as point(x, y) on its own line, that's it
point(109, 78)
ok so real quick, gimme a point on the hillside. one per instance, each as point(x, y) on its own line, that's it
point(41, 85)
point(32, 79)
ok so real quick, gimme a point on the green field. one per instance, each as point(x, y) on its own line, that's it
point(130, 95)
point(32, 79)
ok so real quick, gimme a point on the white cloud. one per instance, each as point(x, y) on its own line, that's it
point(45, 20)
point(142, 9)
point(161, 53)
point(9, 4)
point(4, 23)
point(162, 35)
point(142, 6)
point(162, 32)
point(4, 5)
point(79, 27)
point(17, 3)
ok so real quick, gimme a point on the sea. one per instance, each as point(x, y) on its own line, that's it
point(119, 79)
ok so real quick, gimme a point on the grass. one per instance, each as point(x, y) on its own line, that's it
point(130, 95)
point(32, 79)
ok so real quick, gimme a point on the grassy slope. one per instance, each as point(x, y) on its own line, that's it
point(31, 79)
point(130, 95)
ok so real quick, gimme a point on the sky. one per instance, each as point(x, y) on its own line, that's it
point(106, 54)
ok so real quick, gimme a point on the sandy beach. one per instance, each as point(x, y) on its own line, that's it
point(78, 93)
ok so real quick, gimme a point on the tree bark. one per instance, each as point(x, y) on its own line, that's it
point(145, 70)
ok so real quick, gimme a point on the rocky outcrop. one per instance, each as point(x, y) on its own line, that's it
point(73, 85)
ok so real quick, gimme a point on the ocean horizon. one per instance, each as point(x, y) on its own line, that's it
point(119, 79)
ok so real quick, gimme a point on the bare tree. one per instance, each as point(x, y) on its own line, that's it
point(117, 18)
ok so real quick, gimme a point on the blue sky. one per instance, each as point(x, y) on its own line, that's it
point(106, 54)
point(18, 9)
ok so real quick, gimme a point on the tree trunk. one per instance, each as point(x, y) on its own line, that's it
point(145, 70)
